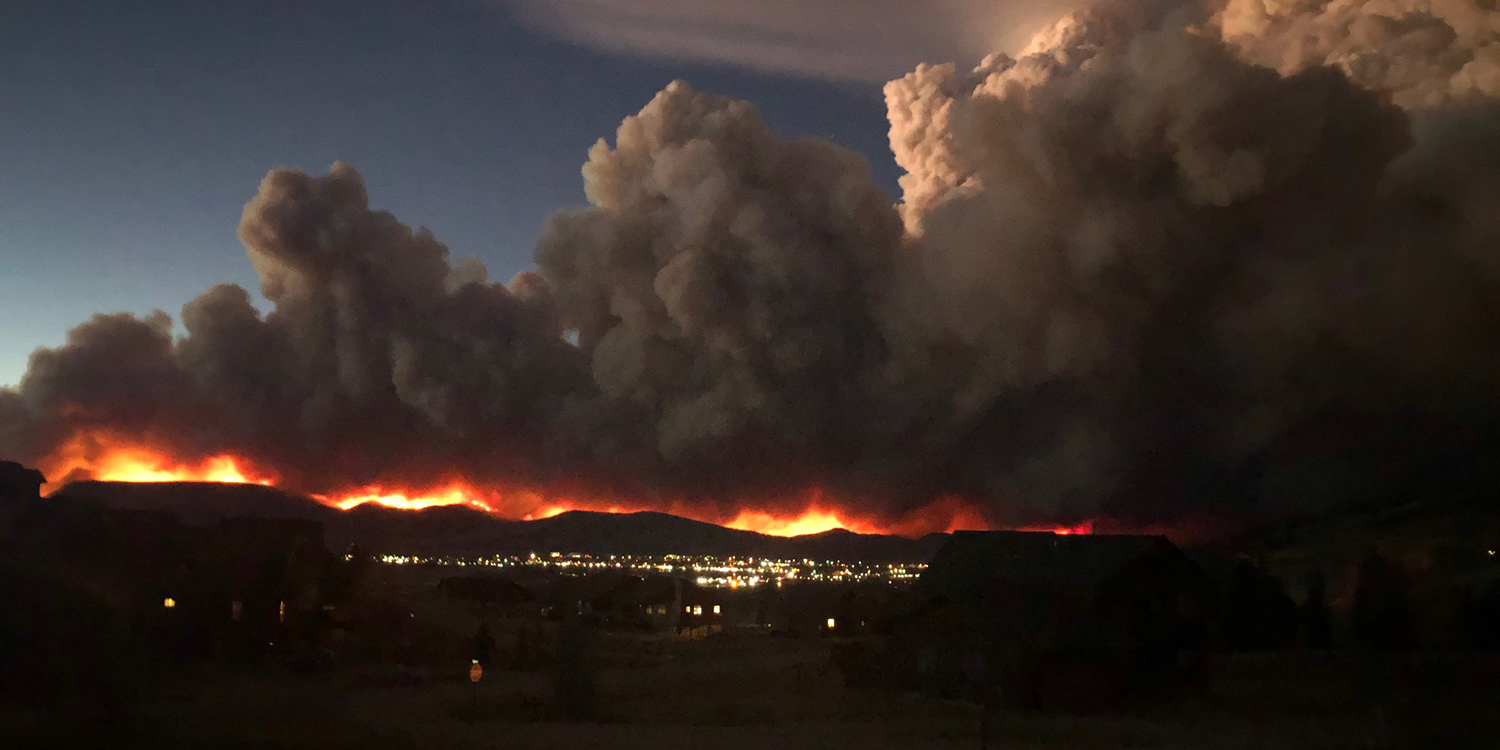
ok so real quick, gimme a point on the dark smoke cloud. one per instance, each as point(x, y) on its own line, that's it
point(380, 360)
point(1143, 270)
point(724, 286)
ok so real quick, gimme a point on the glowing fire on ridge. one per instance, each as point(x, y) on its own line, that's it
point(104, 458)
point(1087, 527)
point(812, 521)
point(107, 460)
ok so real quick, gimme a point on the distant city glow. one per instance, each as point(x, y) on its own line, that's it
point(706, 570)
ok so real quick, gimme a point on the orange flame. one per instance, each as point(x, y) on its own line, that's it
point(812, 521)
point(453, 495)
point(104, 458)
point(1087, 527)
point(109, 458)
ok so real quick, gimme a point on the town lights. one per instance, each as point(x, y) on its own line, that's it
point(831, 623)
point(168, 603)
point(707, 570)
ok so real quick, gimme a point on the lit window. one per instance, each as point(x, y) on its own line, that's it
point(831, 623)
point(281, 612)
point(687, 610)
point(169, 602)
point(716, 609)
point(698, 610)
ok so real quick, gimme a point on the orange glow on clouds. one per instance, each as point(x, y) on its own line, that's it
point(103, 457)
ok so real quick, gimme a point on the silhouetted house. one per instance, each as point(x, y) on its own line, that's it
point(241, 584)
point(124, 558)
point(20, 489)
point(654, 602)
point(494, 595)
point(1257, 614)
point(1254, 611)
point(828, 609)
point(18, 483)
point(660, 603)
point(1072, 621)
point(702, 609)
point(263, 578)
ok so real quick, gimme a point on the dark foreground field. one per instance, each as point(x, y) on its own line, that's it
point(764, 692)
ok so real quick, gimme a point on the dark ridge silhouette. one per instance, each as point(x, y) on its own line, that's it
point(459, 530)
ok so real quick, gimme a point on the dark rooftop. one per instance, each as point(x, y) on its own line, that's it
point(971, 559)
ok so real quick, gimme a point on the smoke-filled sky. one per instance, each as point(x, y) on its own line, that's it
point(132, 133)
point(1167, 258)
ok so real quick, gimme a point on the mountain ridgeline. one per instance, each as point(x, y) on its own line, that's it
point(463, 531)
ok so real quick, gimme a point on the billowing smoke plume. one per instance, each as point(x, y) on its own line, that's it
point(1424, 53)
point(1141, 257)
point(380, 359)
point(1144, 270)
point(725, 287)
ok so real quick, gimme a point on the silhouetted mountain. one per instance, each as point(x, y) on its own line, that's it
point(459, 530)
point(200, 502)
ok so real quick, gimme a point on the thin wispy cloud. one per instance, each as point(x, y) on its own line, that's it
point(871, 40)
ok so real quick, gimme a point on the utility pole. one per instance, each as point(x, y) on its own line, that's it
point(989, 688)
point(984, 719)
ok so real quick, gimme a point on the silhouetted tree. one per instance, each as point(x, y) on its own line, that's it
point(1480, 617)
point(348, 576)
point(521, 657)
point(1315, 620)
point(574, 679)
point(1382, 616)
point(484, 645)
point(1380, 628)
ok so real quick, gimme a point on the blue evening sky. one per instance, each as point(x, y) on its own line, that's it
point(132, 133)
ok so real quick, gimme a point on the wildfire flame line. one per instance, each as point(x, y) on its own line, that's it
point(106, 458)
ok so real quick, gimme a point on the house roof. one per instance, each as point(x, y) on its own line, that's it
point(487, 589)
point(971, 560)
point(13, 474)
point(633, 591)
